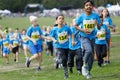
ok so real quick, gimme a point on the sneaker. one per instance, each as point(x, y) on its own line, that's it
point(57, 65)
point(88, 76)
point(79, 72)
point(14, 60)
point(38, 68)
point(66, 76)
point(28, 63)
point(106, 63)
point(71, 70)
point(84, 70)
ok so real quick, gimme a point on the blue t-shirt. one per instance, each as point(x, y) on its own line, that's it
point(10, 36)
point(108, 21)
point(88, 22)
point(62, 36)
point(76, 39)
point(15, 42)
point(101, 35)
point(35, 33)
point(24, 39)
point(55, 36)
point(5, 44)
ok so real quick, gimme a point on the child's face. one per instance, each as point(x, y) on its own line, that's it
point(35, 22)
point(4, 35)
point(10, 30)
point(105, 12)
point(23, 32)
point(15, 35)
point(88, 7)
point(60, 20)
point(16, 31)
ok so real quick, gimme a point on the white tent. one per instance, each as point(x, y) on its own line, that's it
point(55, 10)
point(114, 8)
point(7, 11)
point(1, 11)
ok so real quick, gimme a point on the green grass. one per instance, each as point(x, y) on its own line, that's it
point(18, 71)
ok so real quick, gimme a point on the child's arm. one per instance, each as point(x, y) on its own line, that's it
point(73, 40)
point(34, 41)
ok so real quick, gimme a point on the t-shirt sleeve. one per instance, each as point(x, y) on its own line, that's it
point(69, 31)
point(40, 31)
point(29, 32)
point(11, 42)
point(110, 22)
point(98, 18)
point(52, 33)
point(79, 20)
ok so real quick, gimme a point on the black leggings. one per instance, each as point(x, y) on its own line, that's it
point(101, 51)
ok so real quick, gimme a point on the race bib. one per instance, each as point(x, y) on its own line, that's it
point(15, 43)
point(35, 35)
point(62, 37)
point(11, 37)
point(6, 44)
point(89, 24)
point(24, 38)
point(101, 35)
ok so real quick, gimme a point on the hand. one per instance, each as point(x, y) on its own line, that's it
point(73, 43)
point(87, 31)
point(34, 41)
point(55, 41)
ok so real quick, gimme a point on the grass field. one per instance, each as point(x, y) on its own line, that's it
point(18, 71)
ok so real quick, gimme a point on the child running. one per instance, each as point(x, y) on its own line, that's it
point(25, 44)
point(60, 35)
point(100, 43)
point(15, 46)
point(5, 43)
point(88, 20)
point(35, 36)
point(75, 50)
point(107, 21)
point(49, 42)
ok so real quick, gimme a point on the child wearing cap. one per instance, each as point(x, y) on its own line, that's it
point(35, 36)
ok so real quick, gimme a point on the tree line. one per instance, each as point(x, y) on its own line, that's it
point(19, 5)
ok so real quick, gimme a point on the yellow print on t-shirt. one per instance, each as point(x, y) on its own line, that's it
point(63, 37)
point(15, 43)
point(106, 23)
point(25, 39)
point(6, 44)
point(101, 35)
point(89, 24)
point(35, 35)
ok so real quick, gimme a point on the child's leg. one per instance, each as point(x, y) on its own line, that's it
point(17, 58)
point(79, 61)
point(7, 58)
point(39, 59)
point(71, 56)
point(14, 57)
point(106, 59)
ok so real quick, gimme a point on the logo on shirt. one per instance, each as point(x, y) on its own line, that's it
point(101, 34)
point(62, 37)
point(35, 35)
point(89, 24)
point(6, 44)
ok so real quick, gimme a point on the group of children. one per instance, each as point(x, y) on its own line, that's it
point(89, 34)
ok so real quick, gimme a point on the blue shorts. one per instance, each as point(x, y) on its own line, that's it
point(35, 49)
point(6, 51)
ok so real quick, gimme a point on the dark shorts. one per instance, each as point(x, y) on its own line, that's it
point(49, 46)
point(108, 43)
point(15, 49)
